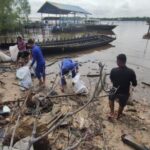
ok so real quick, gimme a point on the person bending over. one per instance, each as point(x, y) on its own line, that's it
point(66, 66)
point(121, 77)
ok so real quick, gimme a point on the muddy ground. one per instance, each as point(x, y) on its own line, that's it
point(102, 134)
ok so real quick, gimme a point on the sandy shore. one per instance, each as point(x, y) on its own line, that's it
point(102, 133)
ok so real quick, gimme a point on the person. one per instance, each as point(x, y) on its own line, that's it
point(22, 48)
point(37, 57)
point(66, 66)
point(121, 77)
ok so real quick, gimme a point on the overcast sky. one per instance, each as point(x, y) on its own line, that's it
point(104, 8)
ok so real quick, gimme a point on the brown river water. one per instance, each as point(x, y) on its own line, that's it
point(129, 41)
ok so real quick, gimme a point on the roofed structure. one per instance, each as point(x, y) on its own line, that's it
point(56, 8)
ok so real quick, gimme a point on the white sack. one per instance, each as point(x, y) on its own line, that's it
point(24, 75)
point(32, 70)
point(14, 52)
point(79, 86)
point(4, 57)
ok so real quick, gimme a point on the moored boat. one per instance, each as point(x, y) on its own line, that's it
point(77, 44)
point(100, 27)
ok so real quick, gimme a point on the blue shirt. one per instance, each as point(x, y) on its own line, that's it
point(67, 65)
point(37, 55)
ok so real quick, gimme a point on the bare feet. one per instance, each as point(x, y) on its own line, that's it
point(111, 116)
point(62, 90)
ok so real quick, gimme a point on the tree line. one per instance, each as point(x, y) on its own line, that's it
point(127, 19)
point(13, 14)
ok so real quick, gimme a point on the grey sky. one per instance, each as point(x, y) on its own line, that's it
point(104, 8)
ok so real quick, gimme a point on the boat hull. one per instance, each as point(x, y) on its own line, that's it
point(100, 27)
point(73, 47)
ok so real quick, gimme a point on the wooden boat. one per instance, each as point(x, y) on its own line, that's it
point(77, 44)
point(100, 27)
point(84, 27)
point(69, 29)
point(95, 25)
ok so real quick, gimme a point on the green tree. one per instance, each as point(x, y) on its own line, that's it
point(12, 14)
point(23, 8)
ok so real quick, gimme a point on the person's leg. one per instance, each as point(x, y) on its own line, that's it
point(26, 55)
point(40, 81)
point(112, 104)
point(122, 103)
point(120, 111)
point(18, 57)
point(63, 83)
point(43, 74)
point(73, 73)
point(38, 74)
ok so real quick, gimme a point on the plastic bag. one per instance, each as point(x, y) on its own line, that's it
point(24, 75)
point(14, 52)
point(79, 87)
point(4, 57)
point(6, 109)
point(32, 70)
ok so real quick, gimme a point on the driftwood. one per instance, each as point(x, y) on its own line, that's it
point(12, 102)
point(17, 122)
point(94, 75)
point(2, 83)
point(132, 143)
point(64, 95)
point(20, 86)
point(148, 84)
point(52, 63)
point(76, 144)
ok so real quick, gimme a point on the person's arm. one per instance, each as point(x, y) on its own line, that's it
point(133, 79)
point(76, 67)
point(62, 77)
point(33, 57)
point(111, 75)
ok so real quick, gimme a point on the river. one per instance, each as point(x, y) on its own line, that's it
point(129, 41)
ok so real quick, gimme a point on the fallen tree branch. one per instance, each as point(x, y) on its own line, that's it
point(14, 131)
point(64, 95)
point(76, 144)
point(145, 83)
point(34, 126)
point(52, 63)
point(20, 86)
point(2, 83)
point(17, 123)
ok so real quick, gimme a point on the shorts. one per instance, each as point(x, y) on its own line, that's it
point(40, 70)
point(123, 99)
point(23, 54)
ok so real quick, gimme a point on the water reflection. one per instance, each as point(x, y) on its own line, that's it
point(146, 47)
point(106, 32)
point(146, 36)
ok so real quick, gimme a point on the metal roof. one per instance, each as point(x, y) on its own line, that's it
point(56, 8)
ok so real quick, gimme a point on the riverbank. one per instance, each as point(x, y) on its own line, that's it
point(101, 132)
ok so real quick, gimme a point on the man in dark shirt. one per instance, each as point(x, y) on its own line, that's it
point(121, 78)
